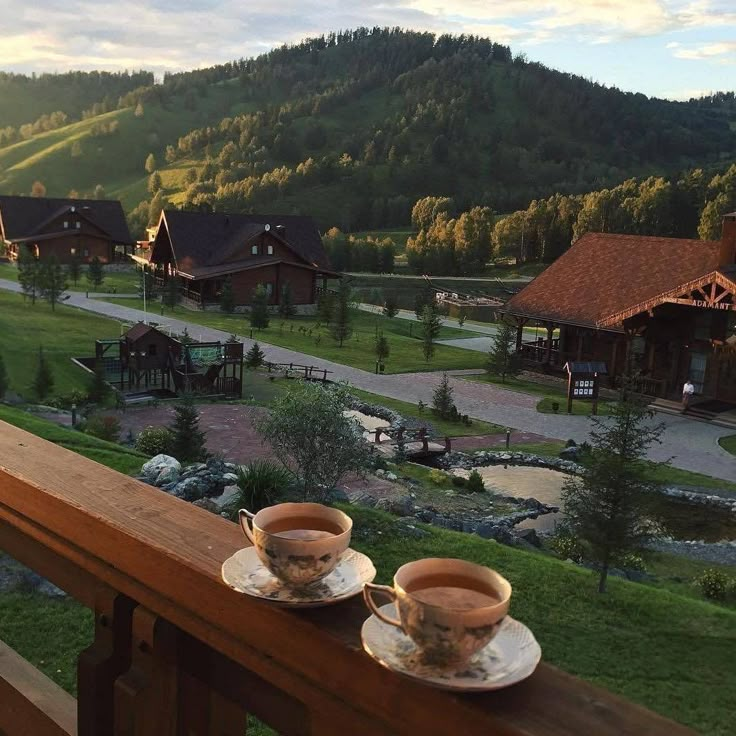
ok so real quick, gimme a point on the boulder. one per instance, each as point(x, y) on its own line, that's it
point(155, 465)
point(168, 474)
point(229, 493)
point(530, 536)
point(190, 489)
point(570, 453)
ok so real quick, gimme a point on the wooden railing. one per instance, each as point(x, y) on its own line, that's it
point(177, 652)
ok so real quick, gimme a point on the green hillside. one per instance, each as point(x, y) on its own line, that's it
point(354, 127)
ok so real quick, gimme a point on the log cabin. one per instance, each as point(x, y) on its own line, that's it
point(668, 304)
point(69, 229)
point(204, 249)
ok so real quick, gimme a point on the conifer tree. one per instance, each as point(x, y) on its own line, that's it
point(147, 284)
point(171, 296)
point(391, 306)
point(99, 389)
point(259, 318)
point(28, 268)
point(431, 326)
point(4, 381)
point(43, 381)
point(286, 302)
point(150, 164)
point(254, 357)
point(74, 269)
point(442, 398)
point(52, 281)
point(502, 359)
point(325, 305)
point(340, 327)
point(423, 299)
point(187, 440)
point(227, 298)
point(95, 273)
point(381, 348)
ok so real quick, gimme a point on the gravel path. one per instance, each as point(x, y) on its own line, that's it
point(689, 445)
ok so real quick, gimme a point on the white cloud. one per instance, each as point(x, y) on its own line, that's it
point(721, 52)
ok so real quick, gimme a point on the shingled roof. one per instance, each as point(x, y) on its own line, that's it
point(205, 239)
point(604, 274)
point(23, 217)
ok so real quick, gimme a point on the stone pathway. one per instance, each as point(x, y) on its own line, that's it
point(687, 444)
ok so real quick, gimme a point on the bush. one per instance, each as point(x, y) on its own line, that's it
point(475, 483)
point(438, 477)
point(567, 546)
point(261, 483)
point(632, 561)
point(713, 584)
point(154, 441)
point(459, 481)
point(104, 427)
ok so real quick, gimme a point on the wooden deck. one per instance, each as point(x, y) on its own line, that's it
point(176, 652)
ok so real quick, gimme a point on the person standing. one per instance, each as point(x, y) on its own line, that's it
point(687, 394)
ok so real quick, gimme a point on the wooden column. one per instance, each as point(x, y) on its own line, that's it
point(519, 336)
point(579, 350)
point(550, 331)
point(614, 356)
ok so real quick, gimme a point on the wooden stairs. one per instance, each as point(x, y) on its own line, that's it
point(666, 406)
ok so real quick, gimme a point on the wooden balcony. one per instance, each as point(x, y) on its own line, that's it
point(178, 653)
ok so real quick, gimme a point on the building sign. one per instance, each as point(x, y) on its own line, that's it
point(725, 306)
point(583, 378)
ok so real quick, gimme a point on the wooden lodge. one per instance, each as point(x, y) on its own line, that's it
point(203, 249)
point(70, 229)
point(669, 304)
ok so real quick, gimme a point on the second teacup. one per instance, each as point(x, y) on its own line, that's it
point(450, 608)
point(299, 543)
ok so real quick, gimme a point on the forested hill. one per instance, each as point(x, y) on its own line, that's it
point(354, 127)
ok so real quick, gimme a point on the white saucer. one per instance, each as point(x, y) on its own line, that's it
point(245, 573)
point(510, 657)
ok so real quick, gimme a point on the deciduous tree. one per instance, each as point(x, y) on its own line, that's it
point(4, 380)
point(150, 164)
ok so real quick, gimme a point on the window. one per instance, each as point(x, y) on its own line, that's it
point(78, 225)
point(151, 351)
point(254, 250)
point(86, 252)
point(66, 224)
point(269, 289)
point(270, 250)
point(73, 251)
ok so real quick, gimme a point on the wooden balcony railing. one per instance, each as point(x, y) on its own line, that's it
point(176, 652)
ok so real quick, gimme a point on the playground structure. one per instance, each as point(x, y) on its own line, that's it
point(146, 359)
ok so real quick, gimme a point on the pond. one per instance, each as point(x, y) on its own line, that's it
point(681, 520)
point(368, 422)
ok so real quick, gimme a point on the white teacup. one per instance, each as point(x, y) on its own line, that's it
point(299, 543)
point(450, 608)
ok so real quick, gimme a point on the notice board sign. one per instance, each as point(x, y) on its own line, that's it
point(583, 380)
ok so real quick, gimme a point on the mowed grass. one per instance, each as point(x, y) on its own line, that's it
point(116, 282)
point(728, 443)
point(404, 338)
point(63, 334)
point(442, 426)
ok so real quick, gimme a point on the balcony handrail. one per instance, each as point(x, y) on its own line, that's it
point(102, 536)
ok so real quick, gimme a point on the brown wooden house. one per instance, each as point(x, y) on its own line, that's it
point(65, 228)
point(668, 303)
point(203, 249)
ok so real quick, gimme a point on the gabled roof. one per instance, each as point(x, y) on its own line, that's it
point(25, 216)
point(141, 329)
point(603, 275)
point(203, 239)
point(247, 264)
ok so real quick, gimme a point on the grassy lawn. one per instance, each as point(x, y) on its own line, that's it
point(116, 282)
point(403, 337)
point(443, 427)
point(728, 443)
point(64, 334)
point(579, 408)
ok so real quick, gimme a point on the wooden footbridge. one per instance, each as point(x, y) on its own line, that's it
point(417, 442)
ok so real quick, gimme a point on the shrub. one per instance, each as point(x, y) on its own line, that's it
point(713, 584)
point(104, 427)
point(632, 561)
point(567, 546)
point(459, 481)
point(154, 441)
point(475, 482)
point(438, 477)
point(261, 483)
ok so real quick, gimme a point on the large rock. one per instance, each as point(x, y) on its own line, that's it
point(168, 474)
point(570, 453)
point(221, 501)
point(155, 465)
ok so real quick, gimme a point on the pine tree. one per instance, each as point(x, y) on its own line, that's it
point(431, 326)
point(286, 302)
point(4, 381)
point(171, 296)
point(99, 389)
point(187, 440)
point(227, 297)
point(95, 273)
point(28, 271)
point(423, 299)
point(381, 348)
point(52, 281)
point(502, 359)
point(43, 382)
point(608, 506)
point(259, 318)
point(325, 305)
point(442, 398)
point(340, 327)
point(74, 269)
point(254, 357)
point(146, 284)
point(391, 306)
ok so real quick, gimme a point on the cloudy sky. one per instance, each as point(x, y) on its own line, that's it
point(669, 48)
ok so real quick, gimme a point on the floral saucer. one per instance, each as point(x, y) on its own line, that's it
point(510, 657)
point(245, 573)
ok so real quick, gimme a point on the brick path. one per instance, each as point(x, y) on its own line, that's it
point(687, 444)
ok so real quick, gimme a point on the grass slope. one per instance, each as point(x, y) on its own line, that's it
point(116, 282)
point(64, 334)
point(728, 443)
point(403, 337)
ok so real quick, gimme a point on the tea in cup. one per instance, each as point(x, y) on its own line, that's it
point(449, 608)
point(299, 543)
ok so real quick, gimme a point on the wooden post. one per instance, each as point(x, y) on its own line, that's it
point(614, 356)
point(569, 391)
point(579, 351)
point(378, 436)
point(550, 332)
point(519, 335)
point(448, 444)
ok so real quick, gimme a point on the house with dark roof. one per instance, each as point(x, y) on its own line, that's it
point(69, 229)
point(204, 249)
point(667, 304)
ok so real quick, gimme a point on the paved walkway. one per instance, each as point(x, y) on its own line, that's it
point(689, 445)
